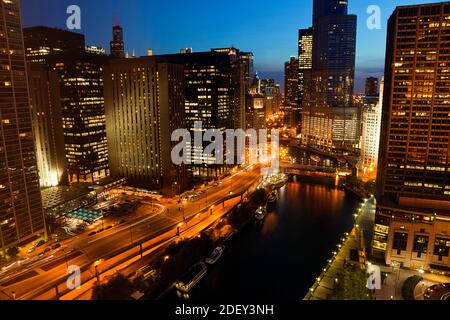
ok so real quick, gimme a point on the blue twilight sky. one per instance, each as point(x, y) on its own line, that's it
point(267, 28)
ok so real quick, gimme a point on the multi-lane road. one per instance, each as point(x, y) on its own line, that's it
point(43, 278)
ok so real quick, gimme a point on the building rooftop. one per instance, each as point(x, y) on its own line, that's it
point(55, 196)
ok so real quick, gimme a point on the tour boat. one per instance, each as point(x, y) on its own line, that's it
point(215, 255)
point(191, 278)
point(272, 197)
point(260, 214)
point(280, 181)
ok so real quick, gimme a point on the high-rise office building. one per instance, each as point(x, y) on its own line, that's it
point(80, 89)
point(291, 93)
point(144, 105)
point(213, 94)
point(41, 42)
point(328, 87)
point(247, 60)
point(47, 124)
point(241, 65)
point(370, 136)
point(117, 45)
point(326, 8)
point(412, 226)
point(372, 87)
point(255, 106)
point(305, 60)
point(21, 214)
point(84, 122)
point(272, 95)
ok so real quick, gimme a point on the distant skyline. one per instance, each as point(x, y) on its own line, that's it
point(267, 28)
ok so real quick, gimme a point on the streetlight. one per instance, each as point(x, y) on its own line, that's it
point(178, 228)
point(97, 274)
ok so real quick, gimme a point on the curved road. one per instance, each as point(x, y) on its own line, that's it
point(83, 250)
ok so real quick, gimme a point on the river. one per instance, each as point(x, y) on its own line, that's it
point(279, 258)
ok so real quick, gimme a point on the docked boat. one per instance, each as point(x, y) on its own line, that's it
point(215, 255)
point(272, 197)
point(191, 278)
point(280, 181)
point(260, 214)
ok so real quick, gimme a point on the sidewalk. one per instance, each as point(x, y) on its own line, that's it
point(323, 288)
point(391, 288)
point(85, 291)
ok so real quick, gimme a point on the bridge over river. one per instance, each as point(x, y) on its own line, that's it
point(312, 170)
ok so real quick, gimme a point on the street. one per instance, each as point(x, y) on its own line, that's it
point(118, 243)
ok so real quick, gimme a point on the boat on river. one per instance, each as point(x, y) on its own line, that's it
point(215, 255)
point(261, 213)
point(273, 197)
point(191, 278)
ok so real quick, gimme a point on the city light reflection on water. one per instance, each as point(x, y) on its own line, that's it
point(280, 257)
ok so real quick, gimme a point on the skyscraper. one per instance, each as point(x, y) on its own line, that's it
point(117, 45)
point(305, 61)
point(213, 94)
point(41, 42)
point(241, 65)
point(291, 92)
point(47, 124)
point(370, 137)
point(372, 87)
point(328, 87)
point(247, 60)
point(326, 8)
point(272, 95)
point(412, 225)
point(84, 122)
point(144, 105)
point(21, 215)
point(80, 89)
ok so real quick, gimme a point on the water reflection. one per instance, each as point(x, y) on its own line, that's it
point(280, 257)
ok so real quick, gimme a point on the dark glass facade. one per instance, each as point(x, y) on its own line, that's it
point(117, 45)
point(41, 42)
point(212, 92)
point(21, 215)
point(291, 92)
point(305, 61)
point(80, 89)
point(329, 86)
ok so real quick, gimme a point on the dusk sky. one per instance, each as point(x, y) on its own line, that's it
point(267, 28)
